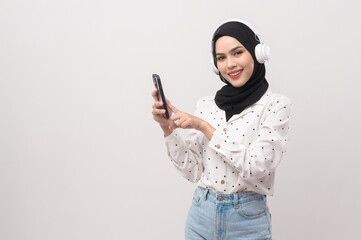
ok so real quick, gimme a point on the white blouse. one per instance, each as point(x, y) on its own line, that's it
point(243, 152)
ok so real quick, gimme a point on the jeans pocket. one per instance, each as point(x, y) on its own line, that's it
point(254, 208)
point(197, 197)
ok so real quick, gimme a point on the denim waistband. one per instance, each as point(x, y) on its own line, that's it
point(229, 199)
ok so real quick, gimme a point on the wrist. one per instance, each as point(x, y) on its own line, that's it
point(167, 131)
point(202, 125)
point(207, 129)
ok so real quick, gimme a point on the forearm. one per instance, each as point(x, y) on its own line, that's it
point(207, 130)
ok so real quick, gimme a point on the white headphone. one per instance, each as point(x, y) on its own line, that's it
point(262, 51)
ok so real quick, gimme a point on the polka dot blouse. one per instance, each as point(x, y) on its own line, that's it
point(243, 152)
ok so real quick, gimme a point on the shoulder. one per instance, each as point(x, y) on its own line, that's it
point(205, 101)
point(279, 100)
point(203, 105)
point(277, 107)
point(275, 104)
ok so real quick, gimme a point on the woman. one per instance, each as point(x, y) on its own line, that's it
point(236, 141)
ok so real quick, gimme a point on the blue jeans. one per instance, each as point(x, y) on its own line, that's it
point(228, 216)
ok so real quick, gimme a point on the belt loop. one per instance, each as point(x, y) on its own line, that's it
point(205, 194)
point(235, 196)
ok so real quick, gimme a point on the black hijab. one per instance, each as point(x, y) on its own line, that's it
point(231, 99)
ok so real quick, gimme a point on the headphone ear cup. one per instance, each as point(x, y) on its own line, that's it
point(214, 68)
point(262, 52)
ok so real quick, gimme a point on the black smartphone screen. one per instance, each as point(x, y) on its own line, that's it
point(161, 97)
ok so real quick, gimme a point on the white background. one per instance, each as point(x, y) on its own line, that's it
point(82, 158)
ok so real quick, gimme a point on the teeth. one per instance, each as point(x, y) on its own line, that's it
point(234, 74)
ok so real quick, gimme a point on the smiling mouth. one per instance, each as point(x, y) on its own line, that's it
point(235, 74)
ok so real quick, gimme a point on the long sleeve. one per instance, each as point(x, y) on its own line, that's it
point(258, 158)
point(186, 154)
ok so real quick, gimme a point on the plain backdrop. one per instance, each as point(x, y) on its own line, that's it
point(82, 158)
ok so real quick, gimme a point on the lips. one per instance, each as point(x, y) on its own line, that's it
point(235, 74)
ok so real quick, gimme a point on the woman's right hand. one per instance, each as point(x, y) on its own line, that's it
point(158, 114)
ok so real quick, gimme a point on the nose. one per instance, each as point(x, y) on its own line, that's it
point(231, 63)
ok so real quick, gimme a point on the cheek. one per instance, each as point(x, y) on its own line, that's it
point(249, 63)
point(252, 66)
point(220, 67)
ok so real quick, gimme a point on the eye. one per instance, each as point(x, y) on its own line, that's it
point(238, 53)
point(220, 58)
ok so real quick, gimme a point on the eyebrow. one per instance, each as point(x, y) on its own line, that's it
point(230, 50)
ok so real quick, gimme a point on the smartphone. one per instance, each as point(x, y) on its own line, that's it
point(161, 97)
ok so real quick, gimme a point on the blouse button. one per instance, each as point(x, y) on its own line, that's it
point(223, 182)
point(218, 146)
point(224, 129)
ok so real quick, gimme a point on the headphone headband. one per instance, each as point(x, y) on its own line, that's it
point(257, 35)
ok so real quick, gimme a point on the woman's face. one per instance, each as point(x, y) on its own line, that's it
point(234, 62)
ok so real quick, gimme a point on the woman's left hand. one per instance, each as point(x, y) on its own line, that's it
point(185, 120)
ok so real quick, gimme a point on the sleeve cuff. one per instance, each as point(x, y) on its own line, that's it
point(231, 152)
point(218, 142)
